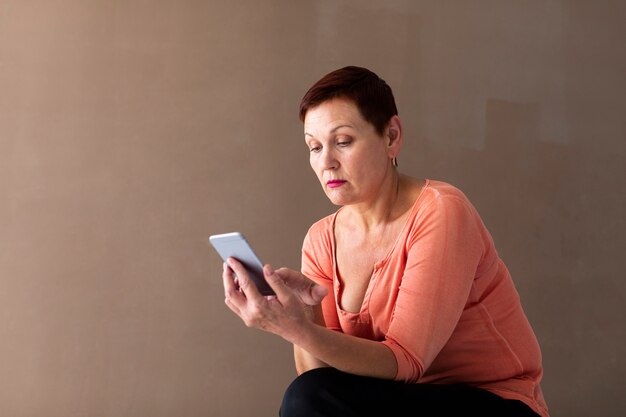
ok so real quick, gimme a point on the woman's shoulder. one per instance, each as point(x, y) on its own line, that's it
point(437, 190)
point(442, 198)
point(321, 232)
point(443, 203)
point(323, 225)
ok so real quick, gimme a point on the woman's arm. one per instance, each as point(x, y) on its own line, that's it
point(286, 315)
point(304, 360)
point(317, 346)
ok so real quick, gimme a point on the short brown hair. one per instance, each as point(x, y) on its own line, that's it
point(371, 94)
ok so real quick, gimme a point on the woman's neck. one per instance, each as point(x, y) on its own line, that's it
point(383, 207)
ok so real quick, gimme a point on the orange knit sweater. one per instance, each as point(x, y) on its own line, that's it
point(442, 300)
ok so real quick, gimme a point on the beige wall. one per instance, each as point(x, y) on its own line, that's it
point(131, 130)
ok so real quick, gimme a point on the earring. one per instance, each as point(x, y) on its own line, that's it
point(394, 162)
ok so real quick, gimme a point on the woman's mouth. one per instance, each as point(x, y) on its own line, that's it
point(335, 183)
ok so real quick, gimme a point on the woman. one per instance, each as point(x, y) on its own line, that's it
point(403, 306)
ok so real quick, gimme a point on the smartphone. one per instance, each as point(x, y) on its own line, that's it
point(235, 245)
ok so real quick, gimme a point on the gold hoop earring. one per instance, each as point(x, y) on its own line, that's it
point(394, 162)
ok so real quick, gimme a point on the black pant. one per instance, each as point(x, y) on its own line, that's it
point(327, 392)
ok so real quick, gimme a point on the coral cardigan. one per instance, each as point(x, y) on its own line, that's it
point(442, 300)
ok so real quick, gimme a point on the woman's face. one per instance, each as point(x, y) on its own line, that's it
point(351, 160)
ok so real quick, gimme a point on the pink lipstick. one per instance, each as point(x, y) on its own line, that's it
point(335, 183)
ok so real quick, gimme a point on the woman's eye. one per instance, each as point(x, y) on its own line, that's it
point(344, 143)
point(315, 149)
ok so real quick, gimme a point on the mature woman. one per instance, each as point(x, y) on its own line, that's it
point(402, 306)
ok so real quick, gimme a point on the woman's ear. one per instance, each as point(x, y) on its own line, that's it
point(394, 136)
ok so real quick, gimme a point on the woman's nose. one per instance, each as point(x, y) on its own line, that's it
point(329, 161)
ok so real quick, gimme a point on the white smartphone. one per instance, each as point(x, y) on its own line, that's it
point(235, 245)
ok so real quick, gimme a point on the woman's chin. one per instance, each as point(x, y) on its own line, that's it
point(337, 200)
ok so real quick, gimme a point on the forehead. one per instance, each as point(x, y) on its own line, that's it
point(331, 113)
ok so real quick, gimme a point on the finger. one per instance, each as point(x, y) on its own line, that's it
point(308, 290)
point(291, 279)
point(245, 283)
point(295, 279)
point(231, 288)
point(229, 280)
point(232, 306)
point(288, 276)
point(276, 282)
point(268, 269)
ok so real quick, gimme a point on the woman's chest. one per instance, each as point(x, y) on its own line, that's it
point(357, 259)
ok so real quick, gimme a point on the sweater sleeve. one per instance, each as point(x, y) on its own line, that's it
point(443, 252)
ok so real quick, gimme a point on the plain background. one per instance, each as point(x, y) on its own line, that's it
point(132, 130)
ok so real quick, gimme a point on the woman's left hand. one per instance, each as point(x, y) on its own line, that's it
point(283, 314)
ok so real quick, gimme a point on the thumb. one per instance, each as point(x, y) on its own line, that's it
point(318, 292)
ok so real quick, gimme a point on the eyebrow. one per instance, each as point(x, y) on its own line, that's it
point(333, 130)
